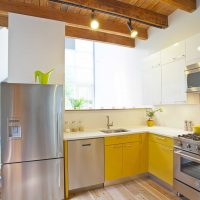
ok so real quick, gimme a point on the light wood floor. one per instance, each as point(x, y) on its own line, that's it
point(139, 189)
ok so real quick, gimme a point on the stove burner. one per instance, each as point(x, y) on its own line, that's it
point(195, 137)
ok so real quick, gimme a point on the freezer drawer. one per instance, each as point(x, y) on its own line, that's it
point(85, 163)
point(39, 180)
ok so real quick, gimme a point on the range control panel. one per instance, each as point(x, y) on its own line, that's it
point(187, 145)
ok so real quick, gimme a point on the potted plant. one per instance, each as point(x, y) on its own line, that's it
point(78, 103)
point(150, 113)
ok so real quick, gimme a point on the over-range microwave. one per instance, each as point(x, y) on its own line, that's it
point(193, 78)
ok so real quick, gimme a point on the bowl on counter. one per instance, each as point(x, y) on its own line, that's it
point(196, 129)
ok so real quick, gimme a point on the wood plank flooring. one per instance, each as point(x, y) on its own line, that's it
point(138, 189)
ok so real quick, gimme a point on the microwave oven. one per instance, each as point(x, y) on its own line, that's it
point(193, 78)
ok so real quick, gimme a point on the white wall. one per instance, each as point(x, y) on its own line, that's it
point(3, 54)
point(175, 115)
point(96, 120)
point(120, 67)
point(35, 44)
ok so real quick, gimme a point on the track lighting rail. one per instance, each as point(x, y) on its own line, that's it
point(104, 12)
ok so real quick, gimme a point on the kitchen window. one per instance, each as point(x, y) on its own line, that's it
point(101, 76)
point(79, 78)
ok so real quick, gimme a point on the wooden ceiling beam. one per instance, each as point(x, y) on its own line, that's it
point(72, 19)
point(106, 26)
point(186, 5)
point(123, 9)
point(3, 21)
point(75, 32)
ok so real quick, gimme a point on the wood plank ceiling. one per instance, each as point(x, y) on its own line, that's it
point(113, 29)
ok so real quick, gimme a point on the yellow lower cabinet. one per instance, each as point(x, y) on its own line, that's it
point(113, 162)
point(123, 156)
point(131, 159)
point(161, 161)
point(144, 153)
point(66, 168)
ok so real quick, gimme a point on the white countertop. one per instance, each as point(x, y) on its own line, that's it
point(165, 131)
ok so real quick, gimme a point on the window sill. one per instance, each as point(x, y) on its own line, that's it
point(105, 109)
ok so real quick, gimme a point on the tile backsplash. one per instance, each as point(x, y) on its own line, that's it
point(96, 119)
point(172, 116)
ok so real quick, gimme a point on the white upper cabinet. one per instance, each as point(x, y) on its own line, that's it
point(156, 85)
point(173, 53)
point(193, 49)
point(173, 82)
point(152, 80)
point(147, 85)
point(154, 60)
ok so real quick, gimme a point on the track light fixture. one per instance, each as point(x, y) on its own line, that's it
point(133, 32)
point(94, 24)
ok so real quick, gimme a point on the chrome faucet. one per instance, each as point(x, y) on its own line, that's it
point(109, 124)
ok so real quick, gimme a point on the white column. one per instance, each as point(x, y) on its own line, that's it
point(35, 44)
point(3, 54)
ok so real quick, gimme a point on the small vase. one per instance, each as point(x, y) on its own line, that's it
point(43, 78)
point(150, 122)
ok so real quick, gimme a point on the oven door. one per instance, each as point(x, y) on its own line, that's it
point(187, 168)
point(193, 80)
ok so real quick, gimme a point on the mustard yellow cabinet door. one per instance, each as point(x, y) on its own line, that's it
point(161, 161)
point(144, 153)
point(113, 162)
point(66, 168)
point(131, 158)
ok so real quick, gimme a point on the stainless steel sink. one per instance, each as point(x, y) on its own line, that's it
point(119, 130)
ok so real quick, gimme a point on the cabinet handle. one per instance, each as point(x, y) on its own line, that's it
point(178, 57)
point(160, 138)
point(117, 146)
point(128, 145)
point(86, 145)
point(166, 148)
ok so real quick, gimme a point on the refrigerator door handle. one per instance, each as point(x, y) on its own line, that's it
point(59, 153)
point(59, 179)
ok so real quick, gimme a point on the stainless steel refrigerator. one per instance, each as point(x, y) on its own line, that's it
point(32, 142)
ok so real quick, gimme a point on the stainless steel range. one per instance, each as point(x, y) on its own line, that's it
point(187, 165)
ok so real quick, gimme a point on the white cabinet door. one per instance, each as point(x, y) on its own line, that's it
point(154, 60)
point(193, 49)
point(147, 85)
point(156, 85)
point(173, 83)
point(152, 80)
point(172, 53)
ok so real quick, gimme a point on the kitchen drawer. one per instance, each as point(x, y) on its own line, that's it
point(122, 139)
point(161, 139)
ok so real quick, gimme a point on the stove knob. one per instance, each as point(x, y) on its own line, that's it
point(180, 143)
point(188, 146)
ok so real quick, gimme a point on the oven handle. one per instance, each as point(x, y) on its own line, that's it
point(187, 156)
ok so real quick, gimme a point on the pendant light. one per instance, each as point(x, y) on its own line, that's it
point(133, 32)
point(94, 24)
